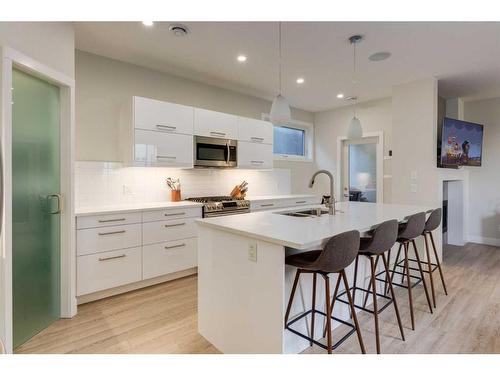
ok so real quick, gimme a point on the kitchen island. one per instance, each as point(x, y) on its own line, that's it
point(244, 285)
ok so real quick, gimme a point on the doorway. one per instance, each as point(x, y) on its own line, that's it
point(361, 177)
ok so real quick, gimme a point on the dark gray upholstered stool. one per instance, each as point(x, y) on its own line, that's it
point(338, 253)
point(408, 231)
point(380, 240)
point(432, 223)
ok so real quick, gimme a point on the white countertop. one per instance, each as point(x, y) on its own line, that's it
point(304, 233)
point(274, 197)
point(133, 207)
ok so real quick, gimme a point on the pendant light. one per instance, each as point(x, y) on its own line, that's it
point(280, 109)
point(355, 130)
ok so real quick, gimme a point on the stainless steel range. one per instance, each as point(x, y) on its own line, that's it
point(222, 205)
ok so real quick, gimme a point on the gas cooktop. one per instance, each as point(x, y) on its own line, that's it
point(222, 205)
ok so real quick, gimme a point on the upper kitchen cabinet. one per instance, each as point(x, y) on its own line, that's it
point(215, 124)
point(256, 131)
point(150, 114)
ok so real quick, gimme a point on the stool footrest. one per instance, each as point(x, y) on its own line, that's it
point(419, 279)
point(304, 314)
point(434, 266)
point(382, 308)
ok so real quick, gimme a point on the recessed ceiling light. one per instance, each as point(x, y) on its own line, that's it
point(241, 58)
point(379, 56)
point(147, 23)
point(300, 80)
point(179, 30)
point(340, 96)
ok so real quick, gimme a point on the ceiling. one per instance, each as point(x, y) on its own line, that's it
point(464, 56)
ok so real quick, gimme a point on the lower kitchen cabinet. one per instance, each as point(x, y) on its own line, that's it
point(167, 257)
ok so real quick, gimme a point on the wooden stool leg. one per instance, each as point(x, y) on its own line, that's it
point(408, 283)
point(367, 294)
point(333, 301)
point(429, 267)
point(290, 301)
point(438, 263)
point(313, 308)
point(391, 289)
point(353, 312)
point(355, 278)
point(328, 315)
point(387, 272)
point(396, 263)
point(375, 308)
point(422, 275)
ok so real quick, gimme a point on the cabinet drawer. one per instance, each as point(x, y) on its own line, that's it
point(255, 156)
point(171, 213)
point(256, 131)
point(167, 257)
point(159, 149)
point(107, 220)
point(215, 124)
point(96, 240)
point(150, 114)
point(301, 201)
point(265, 205)
point(160, 231)
point(108, 270)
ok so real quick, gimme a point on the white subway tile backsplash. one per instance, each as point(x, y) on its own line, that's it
point(103, 183)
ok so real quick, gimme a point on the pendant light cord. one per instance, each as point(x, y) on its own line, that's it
point(354, 77)
point(279, 73)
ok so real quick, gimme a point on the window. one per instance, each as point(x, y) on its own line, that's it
point(289, 141)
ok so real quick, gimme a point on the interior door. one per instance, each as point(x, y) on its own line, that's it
point(359, 170)
point(35, 205)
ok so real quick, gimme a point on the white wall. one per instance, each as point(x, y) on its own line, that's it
point(52, 43)
point(329, 125)
point(484, 181)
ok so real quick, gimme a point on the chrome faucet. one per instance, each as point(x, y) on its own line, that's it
point(330, 203)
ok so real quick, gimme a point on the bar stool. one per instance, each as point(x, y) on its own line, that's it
point(432, 223)
point(408, 231)
point(338, 253)
point(381, 239)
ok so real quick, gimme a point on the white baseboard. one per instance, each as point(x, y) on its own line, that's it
point(485, 240)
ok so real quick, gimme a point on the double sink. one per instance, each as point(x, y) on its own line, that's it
point(312, 212)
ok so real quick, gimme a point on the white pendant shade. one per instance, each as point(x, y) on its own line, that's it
point(355, 130)
point(280, 111)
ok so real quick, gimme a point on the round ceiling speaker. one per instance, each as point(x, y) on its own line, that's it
point(179, 30)
point(379, 56)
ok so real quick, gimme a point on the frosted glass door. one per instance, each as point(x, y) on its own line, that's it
point(363, 172)
point(35, 218)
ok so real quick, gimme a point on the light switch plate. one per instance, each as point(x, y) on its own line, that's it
point(252, 252)
point(413, 188)
point(414, 175)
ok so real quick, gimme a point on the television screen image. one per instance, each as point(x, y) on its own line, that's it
point(461, 143)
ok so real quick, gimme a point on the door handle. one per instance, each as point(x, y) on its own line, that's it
point(59, 203)
point(228, 152)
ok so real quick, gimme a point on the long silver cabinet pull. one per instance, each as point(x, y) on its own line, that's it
point(111, 258)
point(174, 225)
point(218, 133)
point(115, 232)
point(256, 161)
point(111, 220)
point(175, 214)
point(300, 202)
point(258, 139)
point(267, 205)
point(174, 246)
point(165, 157)
point(167, 127)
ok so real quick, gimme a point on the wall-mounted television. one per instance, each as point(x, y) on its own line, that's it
point(461, 144)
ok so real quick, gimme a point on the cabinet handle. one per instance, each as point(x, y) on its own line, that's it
point(218, 133)
point(166, 157)
point(111, 220)
point(300, 202)
point(267, 205)
point(174, 246)
point(166, 127)
point(257, 139)
point(256, 161)
point(111, 258)
point(115, 232)
point(174, 225)
point(175, 214)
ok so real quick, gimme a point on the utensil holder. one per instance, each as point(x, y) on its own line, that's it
point(175, 195)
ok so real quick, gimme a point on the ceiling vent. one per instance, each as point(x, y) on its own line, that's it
point(179, 30)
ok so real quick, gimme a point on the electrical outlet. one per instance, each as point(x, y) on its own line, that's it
point(413, 188)
point(252, 252)
point(414, 175)
point(126, 190)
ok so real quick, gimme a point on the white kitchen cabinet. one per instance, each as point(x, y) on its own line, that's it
point(150, 114)
point(160, 231)
point(108, 270)
point(96, 240)
point(255, 155)
point(256, 131)
point(107, 220)
point(215, 124)
point(167, 257)
point(272, 204)
point(161, 149)
point(171, 213)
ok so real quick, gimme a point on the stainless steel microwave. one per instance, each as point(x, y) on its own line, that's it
point(215, 152)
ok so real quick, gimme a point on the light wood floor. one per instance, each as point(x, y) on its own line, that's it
point(162, 318)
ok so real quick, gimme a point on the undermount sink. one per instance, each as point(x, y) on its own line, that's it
point(313, 212)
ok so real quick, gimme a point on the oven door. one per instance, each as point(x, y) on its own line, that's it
point(214, 152)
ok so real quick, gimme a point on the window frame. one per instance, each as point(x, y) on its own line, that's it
point(308, 140)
